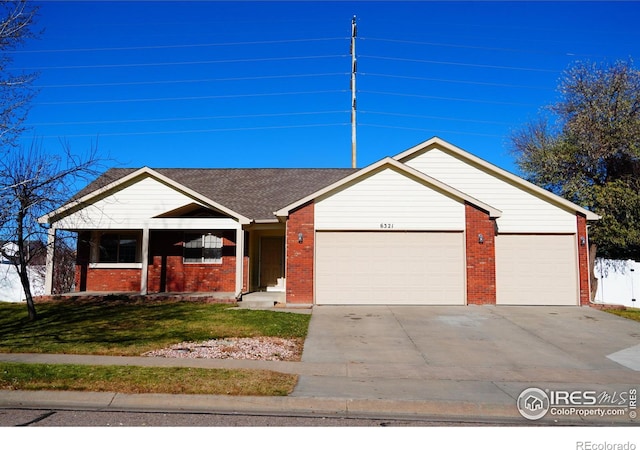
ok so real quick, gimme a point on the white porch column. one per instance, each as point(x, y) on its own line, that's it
point(51, 244)
point(144, 271)
point(239, 259)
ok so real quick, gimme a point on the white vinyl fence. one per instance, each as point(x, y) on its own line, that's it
point(10, 287)
point(618, 282)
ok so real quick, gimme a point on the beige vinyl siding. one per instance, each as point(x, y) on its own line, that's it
point(522, 211)
point(402, 268)
point(536, 270)
point(128, 207)
point(389, 200)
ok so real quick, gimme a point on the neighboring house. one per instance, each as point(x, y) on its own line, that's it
point(8, 250)
point(34, 250)
point(432, 225)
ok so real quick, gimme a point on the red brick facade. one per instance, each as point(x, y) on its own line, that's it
point(299, 255)
point(113, 280)
point(481, 257)
point(167, 271)
point(583, 260)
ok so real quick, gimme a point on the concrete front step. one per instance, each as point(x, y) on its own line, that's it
point(262, 300)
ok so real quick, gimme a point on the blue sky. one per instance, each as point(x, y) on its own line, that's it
point(264, 84)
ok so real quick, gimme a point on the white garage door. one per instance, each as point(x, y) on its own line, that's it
point(390, 268)
point(536, 270)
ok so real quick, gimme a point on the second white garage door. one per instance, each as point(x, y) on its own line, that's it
point(390, 268)
point(536, 270)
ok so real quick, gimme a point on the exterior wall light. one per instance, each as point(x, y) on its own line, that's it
point(583, 241)
point(300, 238)
point(480, 238)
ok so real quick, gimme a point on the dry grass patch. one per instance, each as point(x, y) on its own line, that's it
point(145, 380)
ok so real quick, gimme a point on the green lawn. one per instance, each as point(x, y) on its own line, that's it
point(629, 313)
point(122, 327)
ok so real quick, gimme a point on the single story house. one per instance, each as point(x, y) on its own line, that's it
point(433, 225)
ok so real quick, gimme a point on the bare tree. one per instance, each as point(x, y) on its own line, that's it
point(16, 25)
point(34, 182)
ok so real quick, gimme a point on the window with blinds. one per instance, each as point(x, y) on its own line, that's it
point(202, 248)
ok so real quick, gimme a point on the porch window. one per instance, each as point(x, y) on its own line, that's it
point(202, 248)
point(118, 248)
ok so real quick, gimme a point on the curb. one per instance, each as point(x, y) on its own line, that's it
point(296, 406)
point(435, 411)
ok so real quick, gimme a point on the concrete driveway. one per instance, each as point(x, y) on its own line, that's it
point(478, 354)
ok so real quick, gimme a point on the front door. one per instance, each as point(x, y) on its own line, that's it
point(271, 260)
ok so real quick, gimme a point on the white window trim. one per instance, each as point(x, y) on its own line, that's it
point(99, 265)
point(202, 236)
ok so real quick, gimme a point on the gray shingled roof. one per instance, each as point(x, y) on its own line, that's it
point(253, 193)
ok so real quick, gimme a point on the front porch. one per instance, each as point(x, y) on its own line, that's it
point(158, 262)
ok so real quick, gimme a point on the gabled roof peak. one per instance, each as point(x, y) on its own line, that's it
point(440, 144)
point(389, 162)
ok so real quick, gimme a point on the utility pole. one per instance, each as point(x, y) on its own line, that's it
point(354, 32)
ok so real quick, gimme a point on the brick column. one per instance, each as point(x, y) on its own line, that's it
point(481, 257)
point(583, 260)
point(299, 255)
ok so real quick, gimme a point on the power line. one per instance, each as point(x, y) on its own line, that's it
point(434, 97)
point(470, 47)
point(202, 97)
point(181, 119)
point(444, 80)
point(209, 130)
point(184, 63)
point(452, 63)
point(430, 130)
point(202, 80)
point(257, 76)
point(419, 116)
point(174, 46)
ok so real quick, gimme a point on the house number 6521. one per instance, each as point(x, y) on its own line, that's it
point(386, 226)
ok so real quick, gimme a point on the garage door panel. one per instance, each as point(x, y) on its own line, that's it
point(389, 268)
point(536, 270)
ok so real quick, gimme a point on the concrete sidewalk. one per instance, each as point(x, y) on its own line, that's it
point(465, 364)
point(467, 410)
